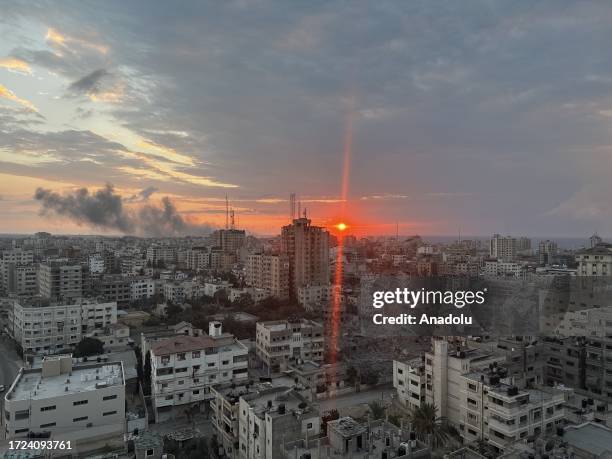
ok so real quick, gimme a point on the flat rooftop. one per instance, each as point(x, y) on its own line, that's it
point(31, 385)
point(590, 437)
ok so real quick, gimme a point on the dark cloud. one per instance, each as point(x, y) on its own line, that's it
point(143, 194)
point(90, 83)
point(104, 209)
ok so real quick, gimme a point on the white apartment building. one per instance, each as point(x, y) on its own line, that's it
point(18, 255)
point(83, 403)
point(281, 342)
point(96, 264)
point(503, 247)
point(497, 268)
point(184, 367)
point(269, 418)
point(409, 381)
point(476, 391)
point(48, 329)
point(596, 261)
point(142, 288)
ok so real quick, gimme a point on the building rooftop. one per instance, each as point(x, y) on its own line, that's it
point(347, 427)
point(30, 384)
point(590, 437)
point(181, 343)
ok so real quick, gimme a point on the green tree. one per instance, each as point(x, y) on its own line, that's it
point(88, 347)
point(377, 410)
point(428, 426)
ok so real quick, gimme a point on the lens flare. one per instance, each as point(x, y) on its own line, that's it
point(341, 226)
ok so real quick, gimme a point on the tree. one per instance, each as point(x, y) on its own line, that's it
point(331, 415)
point(88, 347)
point(428, 426)
point(351, 376)
point(146, 387)
point(377, 410)
point(369, 377)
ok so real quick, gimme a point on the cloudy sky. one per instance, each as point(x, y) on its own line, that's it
point(484, 116)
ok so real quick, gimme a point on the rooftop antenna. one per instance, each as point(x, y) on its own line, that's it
point(232, 221)
point(292, 206)
point(226, 213)
point(299, 208)
point(396, 231)
point(305, 212)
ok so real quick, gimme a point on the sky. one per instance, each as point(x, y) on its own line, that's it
point(140, 117)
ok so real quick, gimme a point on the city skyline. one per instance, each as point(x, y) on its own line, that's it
point(488, 118)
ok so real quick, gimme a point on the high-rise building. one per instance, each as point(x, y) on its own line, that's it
point(546, 251)
point(307, 248)
point(60, 279)
point(503, 247)
point(230, 240)
point(269, 272)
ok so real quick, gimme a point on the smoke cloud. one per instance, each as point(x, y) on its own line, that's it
point(104, 209)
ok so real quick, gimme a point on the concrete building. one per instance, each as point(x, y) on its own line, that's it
point(229, 240)
point(43, 328)
point(307, 248)
point(409, 381)
point(503, 247)
point(161, 254)
point(478, 394)
point(279, 343)
point(271, 417)
point(60, 280)
point(595, 261)
point(114, 287)
point(270, 273)
point(183, 368)
point(142, 288)
point(314, 294)
point(96, 264)
point(547, 250)
point(21, 279)
point(497, 268)
point(81, 403)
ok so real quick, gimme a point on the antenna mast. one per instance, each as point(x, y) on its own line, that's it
point(226, 213)
point(292, 206)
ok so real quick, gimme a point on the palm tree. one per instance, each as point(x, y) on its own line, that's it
point(428, 426)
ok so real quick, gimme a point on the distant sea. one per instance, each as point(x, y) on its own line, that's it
point(562, 242)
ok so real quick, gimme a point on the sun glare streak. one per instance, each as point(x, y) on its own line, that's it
point(341, 227)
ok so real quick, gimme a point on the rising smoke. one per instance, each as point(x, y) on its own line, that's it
point(104, 209)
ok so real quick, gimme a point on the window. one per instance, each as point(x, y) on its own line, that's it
point(47, 408)
point(149, 452)
point(84, 418)
point(195, 355)
point(80, 402)
point(109, 413)
point(180, 356)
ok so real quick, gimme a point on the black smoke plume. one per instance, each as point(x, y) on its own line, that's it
point(104, 209)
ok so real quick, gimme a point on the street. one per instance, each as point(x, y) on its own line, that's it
point(358, 398)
